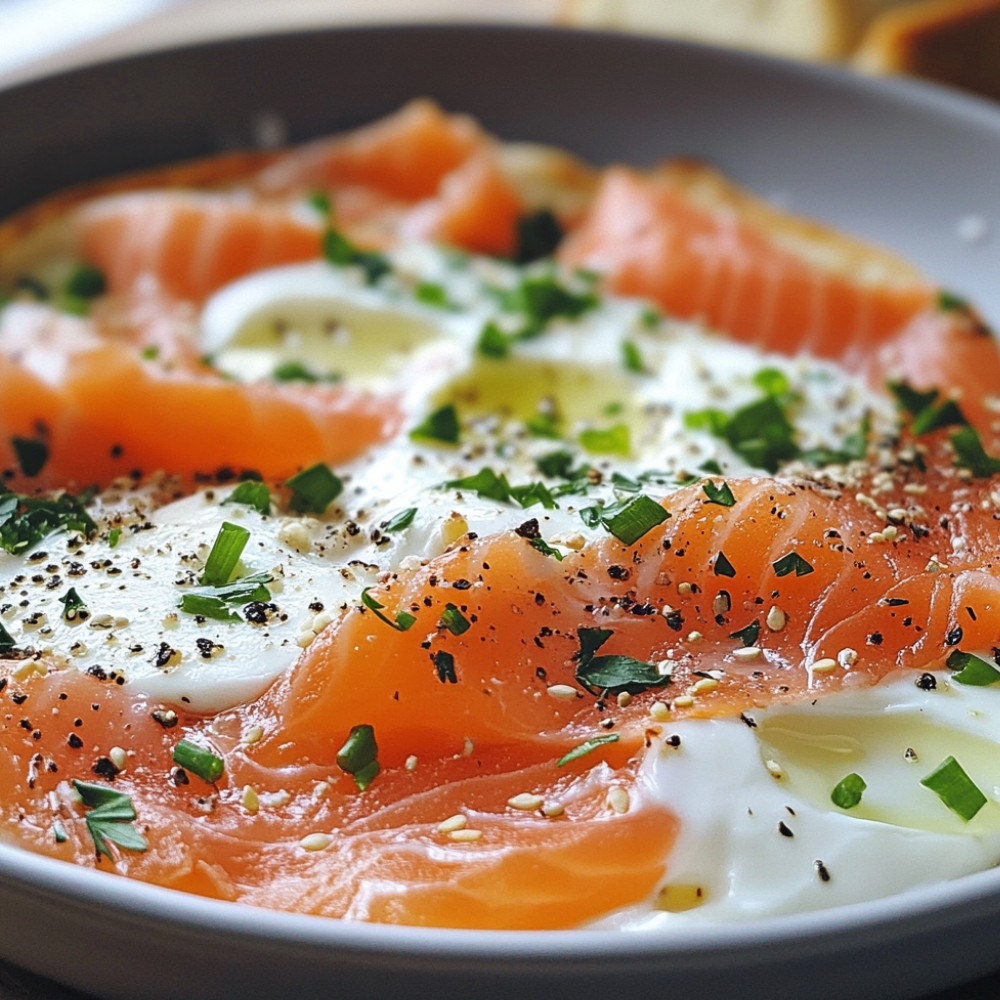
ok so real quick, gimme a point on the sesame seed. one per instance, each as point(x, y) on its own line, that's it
point(618, 799)
point(660, 711)
point(249, 800)
point(253, 735)
point(562, 692)
point(684, 588)
point(695, 636)
point(847, 657)
point(824, 666)
point(774, 769)
point(465, 836)
point(305, 638)
point(118, 757)
point(890, 533)
point(453, 823)
point(411, 762)
point(747, 653)
point(624, 699)
point(703, 684)
point(553, 809)
point(526, 801)
point(316, 842)
point(683, 701)
point(776, 619)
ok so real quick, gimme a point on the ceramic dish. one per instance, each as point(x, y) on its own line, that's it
point(906, 165)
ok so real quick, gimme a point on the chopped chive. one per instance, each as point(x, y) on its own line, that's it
point(586, 747)
point(546, 549)
point(404, 620)
point(6, 640)
point(792, 562)
point(206, 606)
point(401, 520)
point(614, 440)
point(358, 756)
point(632, 358)
point(114, 537)
point(341, 252)
point(955, 789)
point(722, 566)
point(633, 519)
point(85, 282)
point(441, 425)
point(970, 453)
point(650, 318)
point(207, 765)
point(432, 294)
point(454, 621)
point(720, 494)
point(226, 551)
point(444, 664)
point(314, 489)
point(31, 454)
point(848, 791)
point(150, 353)
point(320, 200)
point(25, 521)
point(251, 494)
point(972, 670)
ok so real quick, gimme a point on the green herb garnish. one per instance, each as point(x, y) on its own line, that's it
point(493, 342)
point(358, 756)
point(614, 440)
point(848, 791)
point(970, 454)
point(955, 789)
point(540, 299)
point(207, 765)
point(747, 636)
point(444, 664)
point(25, 521)
point(546, 549)
point(109, 818)
point(217, 602)
point(72, 604)
point(226, 551)
point(295, 371)
point(720, 494)
point(314, 489)
point(403, 621)
point(972, 670)
point(251, 494)
point(114, 537)
point(401, 520)
point(612, 673)
point(628, 522)
point(432, 294)
point(791, 563)
point(31, 454)
point(586, 747)
point(722, 566)
point(441, 425)
point(538, 235)
point(454, 621)
point(632, 358)
point(341, 252)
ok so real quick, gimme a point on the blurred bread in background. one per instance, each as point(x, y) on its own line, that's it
point(955, 42)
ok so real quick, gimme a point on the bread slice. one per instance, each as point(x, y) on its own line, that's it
point(812, 29)
point(951, 41)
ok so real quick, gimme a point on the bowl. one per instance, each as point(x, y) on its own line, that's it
point(904, 164)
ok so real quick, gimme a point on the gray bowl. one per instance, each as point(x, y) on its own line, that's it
point(909, 166)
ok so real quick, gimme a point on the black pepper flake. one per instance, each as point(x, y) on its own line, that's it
point(617, 572)
point(105, 767)
point(675, 620)
point(875, 639)
point(18, 697)
point(954, 636)
point(672, 741)
point(926, 682)
point(784, 830)
point(164, 655)
point(74, 741)
point(180, 777)
point(166, 717)
point(751, 722)
point(461, 585)
point(822, 871)
point(529, 529)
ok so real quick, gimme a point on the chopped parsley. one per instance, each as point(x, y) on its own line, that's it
point(341, 252)
point(441, 425)
point(614, 440)
point(358, 757)
point(540, 298)
point(444, 664)
point(719, 493)
point(432, 294)
point(972, 670)
point(546, 549)
point(493, 342)
point(25, 521)
point(492, 486)
point(970, 454)
point(109, 817)
point(747, 636)
point(632, 358)
point(722, 566)
point(612, 673)
point(586, 747)
point(401, 520)
point(217, 602)
point(848, 791)
point(403, 621)
point(792, 562)
point(205, 764)
point(629, 520)
point(295, 371)
point(74, 607)
point(82, 285)
point(314, 489)
point(454, 621)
